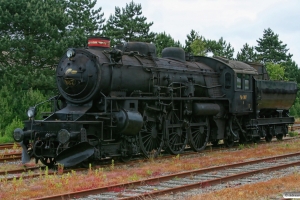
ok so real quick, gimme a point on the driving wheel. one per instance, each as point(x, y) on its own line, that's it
point(176, 135)
point(199, 133)
point(150, 139)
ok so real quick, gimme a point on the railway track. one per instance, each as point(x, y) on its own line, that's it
point(8, 146)
point(40, 171)
point(10, 158)
point(295, 127)
point(187, 180)
point(10, 175)
point(9, 155)
point(35, 171)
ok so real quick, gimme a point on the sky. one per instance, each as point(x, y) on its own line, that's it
point(237, 21)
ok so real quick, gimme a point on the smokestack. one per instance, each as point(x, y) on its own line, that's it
point(98, 42)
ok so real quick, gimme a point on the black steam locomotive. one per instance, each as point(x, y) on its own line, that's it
point(125, 101)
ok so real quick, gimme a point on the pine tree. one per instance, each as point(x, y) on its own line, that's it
point(36, 33)
point(198, 47)
point(31, 32)
point(220, 48)
point(128, 24)
point(247, 54)
point(190, 39)
point(291, 70)
point(85, 21)
point(162, 40)
point(271, 49)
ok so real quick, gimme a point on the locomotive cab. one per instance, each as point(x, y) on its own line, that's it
point(243, 93)
point(236, 79)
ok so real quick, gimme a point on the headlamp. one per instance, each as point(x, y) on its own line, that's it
point(31, 112)
point(70, 53)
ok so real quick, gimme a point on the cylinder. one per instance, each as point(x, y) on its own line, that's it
point(205, 109)
point(128, 122)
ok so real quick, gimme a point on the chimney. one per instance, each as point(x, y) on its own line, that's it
point(99, 42)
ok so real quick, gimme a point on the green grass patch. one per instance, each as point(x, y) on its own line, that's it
point(293, 133)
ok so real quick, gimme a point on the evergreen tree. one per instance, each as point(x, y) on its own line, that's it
point(271, 49)
point(190, 39)
point(275, 71)
point(36, 33)
point(220, 48)
point(247, 54)
point(85, 21)
point(127, 25)
point(162, 40)
point(31, 37)
point(198, 47)
point(291, 70)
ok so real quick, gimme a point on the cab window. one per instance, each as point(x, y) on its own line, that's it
point(247, 82)
point(239, 81)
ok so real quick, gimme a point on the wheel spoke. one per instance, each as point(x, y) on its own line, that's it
point(176, 137)
point(150, 140)
point(148, 145)
point(198, 133)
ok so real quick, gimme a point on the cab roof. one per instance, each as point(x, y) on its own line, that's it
point(238, 66)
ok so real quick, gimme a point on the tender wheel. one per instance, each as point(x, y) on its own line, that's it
point(50, 162)
point(256, 139)
point(268, 138)
point(279, 136)
point(268, 133)
point(199, 133)
point(176, 136)
point(151, 140)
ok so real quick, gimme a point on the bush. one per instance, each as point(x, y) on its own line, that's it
point(6, 139)
point(16, 123)
point(14, 105)
point(293, 133)
point(8, 133)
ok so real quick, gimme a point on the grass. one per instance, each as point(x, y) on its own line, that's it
point(47, 185)
point(293, 133)
point(241, 146)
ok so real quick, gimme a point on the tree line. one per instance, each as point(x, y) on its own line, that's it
point(34, 34)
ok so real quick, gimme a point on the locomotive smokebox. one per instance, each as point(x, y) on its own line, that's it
point(128, 122)
point(206, 109)
point(99, 42)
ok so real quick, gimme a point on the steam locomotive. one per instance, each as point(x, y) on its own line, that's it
point(125, 101)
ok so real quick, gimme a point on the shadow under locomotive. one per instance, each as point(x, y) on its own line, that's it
point(125, 101)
